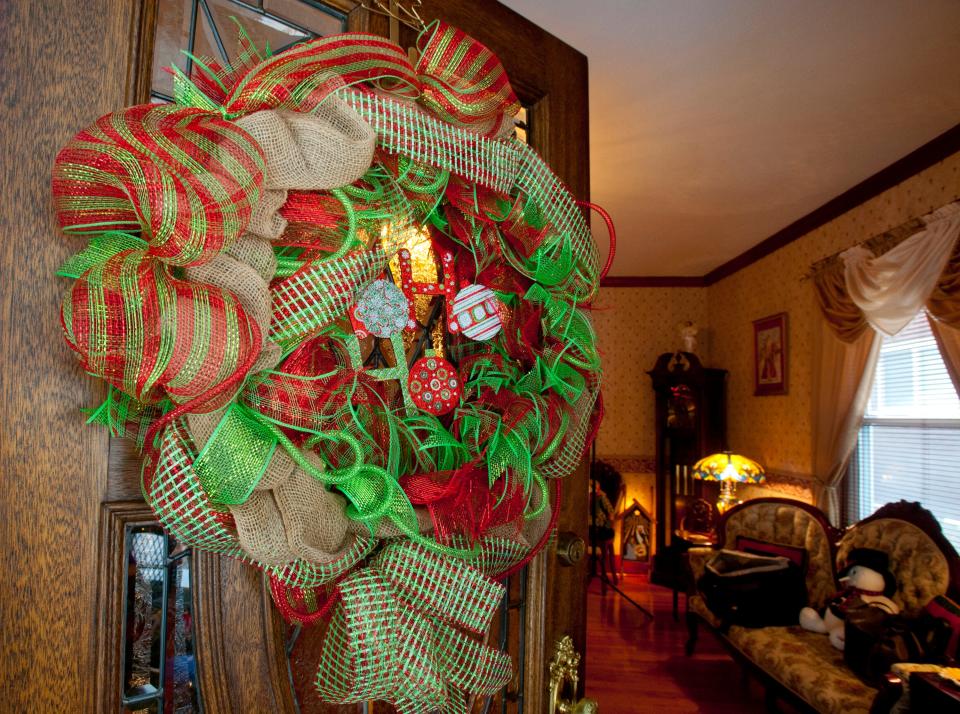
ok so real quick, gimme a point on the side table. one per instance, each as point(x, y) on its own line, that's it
point(669, 568)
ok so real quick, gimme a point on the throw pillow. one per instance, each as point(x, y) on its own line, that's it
point(795, 554)
point(946, 609)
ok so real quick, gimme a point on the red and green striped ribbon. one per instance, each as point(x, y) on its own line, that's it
point(148, 333)
point(186, 181)
point(456, 77)
point(303, 76)
point(463, 81)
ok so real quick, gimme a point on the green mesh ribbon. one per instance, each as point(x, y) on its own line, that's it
point(571, 261)
point(323, 288)
point(235, 456)
point(239, 450)
point(405, 631)
point(125, 417)
point(186, 512)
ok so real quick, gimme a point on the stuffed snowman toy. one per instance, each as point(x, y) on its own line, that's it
point(867, 582)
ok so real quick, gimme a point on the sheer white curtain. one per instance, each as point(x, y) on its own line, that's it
point(883, 293)
point(891, 288)
point(843, 376)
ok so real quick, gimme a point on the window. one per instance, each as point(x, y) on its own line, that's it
point(159, 670)
point(909, 444)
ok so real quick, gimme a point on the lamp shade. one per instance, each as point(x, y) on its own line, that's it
point(727, 466)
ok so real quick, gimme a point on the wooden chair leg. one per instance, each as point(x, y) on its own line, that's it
point(693, 630)
point(608, 547)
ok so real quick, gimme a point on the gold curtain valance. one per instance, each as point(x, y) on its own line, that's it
point(847, 319)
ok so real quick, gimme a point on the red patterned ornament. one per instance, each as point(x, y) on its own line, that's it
point(434, 385)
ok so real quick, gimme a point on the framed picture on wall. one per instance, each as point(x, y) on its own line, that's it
point(770, 355)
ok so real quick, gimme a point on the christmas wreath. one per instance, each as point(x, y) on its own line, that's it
point(343, 311)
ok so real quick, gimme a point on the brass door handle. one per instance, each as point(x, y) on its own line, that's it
point(563, 668)
point(570, 547)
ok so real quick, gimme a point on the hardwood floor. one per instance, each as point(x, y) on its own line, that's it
point(636, 665)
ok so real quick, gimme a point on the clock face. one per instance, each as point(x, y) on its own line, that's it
point(681, 408)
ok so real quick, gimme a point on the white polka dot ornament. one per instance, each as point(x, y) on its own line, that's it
point(383, 309)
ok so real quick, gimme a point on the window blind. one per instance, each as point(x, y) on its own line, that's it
point(909, 444)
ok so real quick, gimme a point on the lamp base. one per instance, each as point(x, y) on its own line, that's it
point(728, 496)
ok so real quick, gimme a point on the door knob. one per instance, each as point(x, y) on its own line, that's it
point(563, 669)
point(570, 547)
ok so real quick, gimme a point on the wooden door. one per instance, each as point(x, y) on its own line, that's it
point(72, 497)
point(65, 65)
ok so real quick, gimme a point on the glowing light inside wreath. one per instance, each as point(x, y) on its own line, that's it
point(417, 241)
point(423, 265)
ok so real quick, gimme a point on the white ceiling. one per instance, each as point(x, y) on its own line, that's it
point(715, 123)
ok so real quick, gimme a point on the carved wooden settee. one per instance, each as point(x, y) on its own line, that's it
point(802, 667)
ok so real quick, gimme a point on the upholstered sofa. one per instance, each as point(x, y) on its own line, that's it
point(802, 667)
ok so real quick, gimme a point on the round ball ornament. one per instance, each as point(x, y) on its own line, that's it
point(434, 385)
point(383, 309)
point(476, 313)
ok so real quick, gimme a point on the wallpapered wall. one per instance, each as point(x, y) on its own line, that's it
point(635, 325)
point(777, 429)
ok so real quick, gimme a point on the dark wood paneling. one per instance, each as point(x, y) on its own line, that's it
point(64, 64)
point(653, 281)
point(239, 639)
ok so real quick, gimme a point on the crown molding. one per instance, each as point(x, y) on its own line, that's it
point(934, 151)
point(653, 281)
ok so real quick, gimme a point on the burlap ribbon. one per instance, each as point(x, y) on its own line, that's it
point(174, 491)
point(243, 450)
point(327, 149)
point(402, 633)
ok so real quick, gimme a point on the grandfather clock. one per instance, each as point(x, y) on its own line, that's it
point(690, 423)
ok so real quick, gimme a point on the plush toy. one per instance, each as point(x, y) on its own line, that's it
point(867, 581)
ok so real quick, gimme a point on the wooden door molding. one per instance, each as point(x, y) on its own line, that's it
point(240, 643)
point(111, 570)
point(537, 647)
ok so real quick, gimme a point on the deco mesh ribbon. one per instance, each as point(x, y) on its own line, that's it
point(267, 260)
